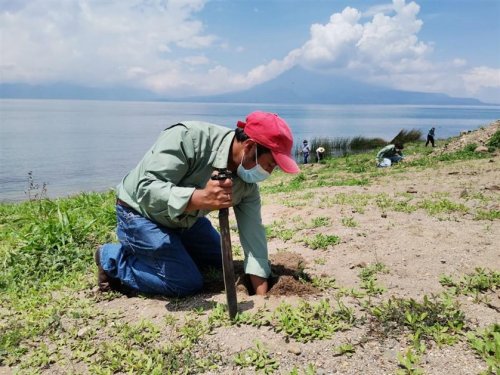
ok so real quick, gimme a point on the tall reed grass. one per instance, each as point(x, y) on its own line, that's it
point(406, 136)
point(337, 146)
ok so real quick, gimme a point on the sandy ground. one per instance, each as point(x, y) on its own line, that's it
point(417, 248)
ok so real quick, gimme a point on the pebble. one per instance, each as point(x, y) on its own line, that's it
point(83, 331)
point(294, 349)
point(384, 215)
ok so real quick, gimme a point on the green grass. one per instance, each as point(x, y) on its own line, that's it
point(487, 215)
point(321, 241)
point(46, 242)
point(433, 160)
point(442, 206)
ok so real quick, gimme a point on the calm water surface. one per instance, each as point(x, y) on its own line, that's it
point(78, 146)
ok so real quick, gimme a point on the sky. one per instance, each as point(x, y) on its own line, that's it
point(203, 47)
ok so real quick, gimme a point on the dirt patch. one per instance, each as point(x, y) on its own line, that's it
point(287, 278)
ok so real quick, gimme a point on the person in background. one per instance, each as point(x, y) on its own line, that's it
point(320, 151)
point(430, 137)
point(389, 155)
point(165, 238)
point(305, 151)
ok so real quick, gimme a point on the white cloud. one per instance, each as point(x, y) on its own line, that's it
point(385, 43)
point(480, 77)
point(382, 46)
point(459, 62)
point(196, 60)
point(96, 41)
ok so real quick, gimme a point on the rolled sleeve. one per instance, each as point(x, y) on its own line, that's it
point(252, 234)
point(179, 199)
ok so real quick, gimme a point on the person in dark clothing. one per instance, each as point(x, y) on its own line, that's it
point(305, 151)
point(430, 137)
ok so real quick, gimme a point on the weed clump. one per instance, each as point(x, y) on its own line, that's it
point(440, 320)
point(309, 322)
point(481, 281)
point(495, 140)
point(486, 343)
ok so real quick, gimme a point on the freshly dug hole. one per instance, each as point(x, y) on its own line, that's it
point(287, 277)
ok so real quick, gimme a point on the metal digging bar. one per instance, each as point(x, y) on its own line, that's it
point(227, 253)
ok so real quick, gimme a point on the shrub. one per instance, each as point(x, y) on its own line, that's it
point(495, 140)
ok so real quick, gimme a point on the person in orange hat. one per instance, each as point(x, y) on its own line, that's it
point(165, 238)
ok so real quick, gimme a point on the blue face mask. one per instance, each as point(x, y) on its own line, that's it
point(252, 175)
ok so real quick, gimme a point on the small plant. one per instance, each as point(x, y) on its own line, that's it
point(486, 343)
point(349, 222)
point(257, 357)
point(323, 283)
point(368, 279)
point(258, 319)
point(345, 349)
point(277, 230)
point(309, 370)
point(322, 241)
point(436, 319)
point(320, 261)
point(34, 191)
point(481, 281)
point(237, 251)
point(408, 363)
point(370, 271)
point(321, 221)
point(192, 330)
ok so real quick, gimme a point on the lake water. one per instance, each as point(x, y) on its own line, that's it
point(78, 146)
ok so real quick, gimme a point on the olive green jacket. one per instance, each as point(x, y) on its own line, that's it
point(183, 159)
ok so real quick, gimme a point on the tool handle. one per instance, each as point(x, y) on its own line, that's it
point(227, 253)
point(227, 263)
point(222, 175)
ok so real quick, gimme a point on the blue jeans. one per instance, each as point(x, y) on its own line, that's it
point(396, 158)
point(306, 157)
point(154, 259)
point(387, 162)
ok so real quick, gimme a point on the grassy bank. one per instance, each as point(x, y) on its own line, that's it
point(51, 321)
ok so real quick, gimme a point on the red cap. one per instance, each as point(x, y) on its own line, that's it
point(271, 131)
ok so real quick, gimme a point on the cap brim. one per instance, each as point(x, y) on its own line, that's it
point(286, 162)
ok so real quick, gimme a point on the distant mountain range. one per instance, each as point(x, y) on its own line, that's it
point(71, 91)
point(305, 87)
point(296, 86)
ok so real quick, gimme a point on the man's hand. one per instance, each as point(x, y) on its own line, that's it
point(259, 284)
point(217, 194)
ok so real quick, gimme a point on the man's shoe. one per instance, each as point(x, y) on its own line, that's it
point(105, 283)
